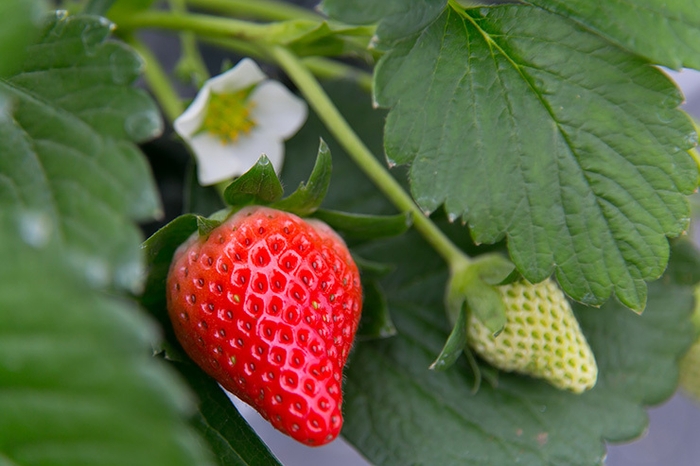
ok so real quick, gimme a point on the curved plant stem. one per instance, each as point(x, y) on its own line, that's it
point(158, 81)
point(341, 130)
point(268, 10)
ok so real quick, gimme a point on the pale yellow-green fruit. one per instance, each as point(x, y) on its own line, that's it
point(541, 338)
point(690, 372)
point(690, 364)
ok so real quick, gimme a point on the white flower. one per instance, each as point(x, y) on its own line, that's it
point(236, 117)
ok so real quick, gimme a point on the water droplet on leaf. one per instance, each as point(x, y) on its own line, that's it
point(143, 125)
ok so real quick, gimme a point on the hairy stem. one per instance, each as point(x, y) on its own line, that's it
point(341, 130)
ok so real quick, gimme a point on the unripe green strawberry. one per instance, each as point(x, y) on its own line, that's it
point(690, 364)
point(268, 305)
point(690, 371)
point(541, 337)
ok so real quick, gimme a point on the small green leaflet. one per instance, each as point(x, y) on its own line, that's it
point(310, 194)
point(675, 41)
point(68, 150)
point(259, 185)
point(527, 126)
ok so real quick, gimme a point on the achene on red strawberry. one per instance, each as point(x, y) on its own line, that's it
point(268, 304)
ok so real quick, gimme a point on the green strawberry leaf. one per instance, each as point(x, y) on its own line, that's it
point(362, 227)
point(308, 196)
point(20, 22)
point(371, 269)
point(259, 185)
point(675, 42)
point(520, 420)
point(231, 438)
point(376, 321)
point(79, 385)
point(527, 126)
point(68, 149)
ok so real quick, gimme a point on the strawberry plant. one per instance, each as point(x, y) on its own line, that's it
point(485, 260)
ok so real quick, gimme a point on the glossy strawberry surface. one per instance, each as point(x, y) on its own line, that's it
point(268, 305)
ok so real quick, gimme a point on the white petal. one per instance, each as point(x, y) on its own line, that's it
point(251, 146)
point(218, 162)
point(277, 110)
point(242, 76)
point(191, 120)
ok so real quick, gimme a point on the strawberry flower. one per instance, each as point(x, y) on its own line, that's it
point(236, 117)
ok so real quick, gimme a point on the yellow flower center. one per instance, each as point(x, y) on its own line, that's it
point(228, 115)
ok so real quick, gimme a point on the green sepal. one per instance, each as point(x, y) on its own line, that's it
point(513, 277)
point(259, 185)
point(376, 321)
point(162, 244)
point(455, 344)
point(493, 268)
point(470, 284)
point(486, 304)
point(309, 196)
point(206, 225)
point(365, 227)
point(159, 250)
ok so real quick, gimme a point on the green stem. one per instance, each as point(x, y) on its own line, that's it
point(330, 69)
point(208, 26)
point(200, 24)
point(158, 81)
point(191, 64)
point(364, 158)
point(268, 10)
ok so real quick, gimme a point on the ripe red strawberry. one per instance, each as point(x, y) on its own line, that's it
point(268, 305)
